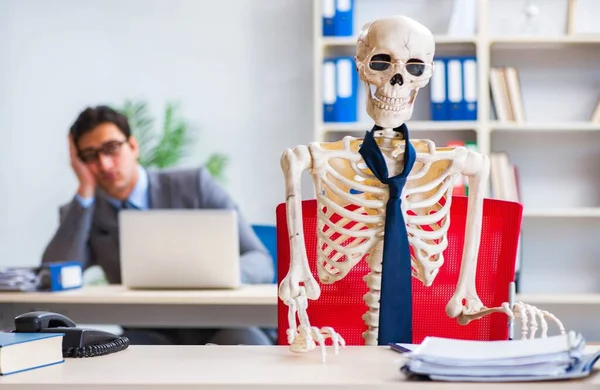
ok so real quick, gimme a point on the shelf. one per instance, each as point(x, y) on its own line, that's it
point(544, 126)
point(578, 212)
point(414, 125)
point(439, 39)
point(543, 42)
point(559, 299)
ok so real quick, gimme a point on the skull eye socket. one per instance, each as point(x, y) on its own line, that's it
point(383, 66)
point(379, 66)
point(380, 62)
point(415, 68)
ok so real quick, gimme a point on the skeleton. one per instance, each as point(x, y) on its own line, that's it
point(394, 58)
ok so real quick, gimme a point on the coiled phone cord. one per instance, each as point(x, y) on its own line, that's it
point(119, 344)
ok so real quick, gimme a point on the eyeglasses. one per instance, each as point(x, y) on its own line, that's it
point(388, 68)
point(110, 149)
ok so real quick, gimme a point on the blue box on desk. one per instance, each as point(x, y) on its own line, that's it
point(66, 275)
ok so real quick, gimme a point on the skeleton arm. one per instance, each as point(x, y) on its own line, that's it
point(294, 163)
point(294, 295)
point(476, 168)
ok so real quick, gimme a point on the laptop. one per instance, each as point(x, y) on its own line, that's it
point(179, 249)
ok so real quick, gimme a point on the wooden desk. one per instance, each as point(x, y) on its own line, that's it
point(248, 306)
point(241, 367)
point(251, 305)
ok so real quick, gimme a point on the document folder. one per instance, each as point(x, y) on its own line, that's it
point(346, 84)
point(551, 358)
point(454, 74)
point(328, 15)
point(470, 88)
point(438, 87)
point(329, 90)
point(343, 19)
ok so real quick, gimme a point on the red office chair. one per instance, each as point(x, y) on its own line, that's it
point(341, 304)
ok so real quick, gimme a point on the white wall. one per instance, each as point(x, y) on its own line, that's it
point(240, 68)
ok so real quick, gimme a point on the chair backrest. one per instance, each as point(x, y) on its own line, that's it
point(268, 236)
point(341, 304)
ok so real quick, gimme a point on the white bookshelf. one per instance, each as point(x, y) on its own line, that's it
point(544, 126)
point(576, 212)
point(557, 150)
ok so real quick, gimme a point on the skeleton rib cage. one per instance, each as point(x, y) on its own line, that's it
point(351, 204)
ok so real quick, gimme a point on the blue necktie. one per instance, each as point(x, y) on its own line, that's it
point(395, 304)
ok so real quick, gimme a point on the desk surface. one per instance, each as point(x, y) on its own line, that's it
point(251, 305)
point(259, 294)
point(232, 367)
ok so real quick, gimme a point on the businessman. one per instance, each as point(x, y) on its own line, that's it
point(104, 157)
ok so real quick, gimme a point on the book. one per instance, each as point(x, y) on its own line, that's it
point(26, 351)
point(515, 97)
point(500, 96)
point(550, 358)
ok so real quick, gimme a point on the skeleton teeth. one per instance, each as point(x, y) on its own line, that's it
point(395, 108)
point(390, 101)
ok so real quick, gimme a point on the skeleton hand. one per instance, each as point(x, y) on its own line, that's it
point(529, 315)
point(302, 338)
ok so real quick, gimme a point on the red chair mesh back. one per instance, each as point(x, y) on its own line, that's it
point(341, 304)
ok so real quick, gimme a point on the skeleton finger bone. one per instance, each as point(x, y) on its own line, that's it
point(521, 312)
point(336, 340)
point(533, 324)
point(292, 330)
point(553, 318)
point(530, 315)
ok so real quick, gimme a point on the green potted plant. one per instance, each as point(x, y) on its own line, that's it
point(170, 145)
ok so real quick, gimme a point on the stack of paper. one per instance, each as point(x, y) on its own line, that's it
point(18, 279)
point(555, 357)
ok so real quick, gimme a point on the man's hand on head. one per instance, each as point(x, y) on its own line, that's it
point(87, 182)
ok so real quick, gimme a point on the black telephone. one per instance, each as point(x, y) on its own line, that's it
point(77, 342)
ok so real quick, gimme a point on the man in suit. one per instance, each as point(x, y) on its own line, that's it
point(104, 157)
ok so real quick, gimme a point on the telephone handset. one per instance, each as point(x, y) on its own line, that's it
point(77, 342)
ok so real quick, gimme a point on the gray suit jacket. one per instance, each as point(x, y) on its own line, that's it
point(91, 234)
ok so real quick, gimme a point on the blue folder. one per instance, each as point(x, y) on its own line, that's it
point(343, 20)
point(459, 100)
point(346, 85)
point(470, 88)
point(328, 15)
point(438, 87)
point(329, 90)
point(455, 89)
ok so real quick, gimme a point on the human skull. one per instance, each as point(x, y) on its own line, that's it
point(394, 58)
